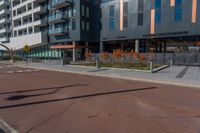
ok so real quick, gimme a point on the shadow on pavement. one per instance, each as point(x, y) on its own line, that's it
point(56, 89)
point(74, 97)
point(50, 88)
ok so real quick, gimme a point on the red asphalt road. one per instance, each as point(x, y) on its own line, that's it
point(55, 102)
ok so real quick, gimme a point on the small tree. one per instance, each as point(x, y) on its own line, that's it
point(131, 54)
point(26, 50)
point(118, 54)
point(197, 43)
point(88, 55)
point(105, 55)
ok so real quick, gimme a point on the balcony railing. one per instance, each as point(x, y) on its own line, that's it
point(58, 31)
point(55, 4)
point(58, 18)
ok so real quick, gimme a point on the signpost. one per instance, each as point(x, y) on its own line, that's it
point(26, 50)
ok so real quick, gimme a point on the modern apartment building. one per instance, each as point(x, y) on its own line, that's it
point(74, 26)
point(144, 24)
point(5, 21)
point(55, 28)
point(68, 28)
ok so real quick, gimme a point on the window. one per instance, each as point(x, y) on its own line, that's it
point(157, 11)
point(83, 25)
point(87, 12)
point(83, 10)
point(178, 11)
point(73, 24)
point(140, 11)
point(88, 26)
point(125, 15)
point(112, 19)
point(112, 11)
point(112, 24)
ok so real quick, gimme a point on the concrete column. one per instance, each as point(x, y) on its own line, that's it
point(122, 47)
point(74, 52)
point(147, 46)
point(86, 49)
point(165, 47)
point(101, 47)
point(137, 46)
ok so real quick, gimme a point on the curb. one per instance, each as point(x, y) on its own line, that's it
point(122, 69)
point(6, 128)
point(119, 77)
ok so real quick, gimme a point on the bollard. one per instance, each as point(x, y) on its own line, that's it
point(151, 66)
point(97, 63)
point(62, 61)
point(171, 62)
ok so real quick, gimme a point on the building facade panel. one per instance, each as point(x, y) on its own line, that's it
point(170, 21)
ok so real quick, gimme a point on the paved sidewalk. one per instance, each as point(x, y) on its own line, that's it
point(177, 75)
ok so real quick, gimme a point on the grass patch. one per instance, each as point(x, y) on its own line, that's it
point(122, 65)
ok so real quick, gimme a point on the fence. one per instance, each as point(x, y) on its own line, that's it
point(159, 58)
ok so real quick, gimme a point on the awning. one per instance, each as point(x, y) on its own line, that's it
point(69, 46)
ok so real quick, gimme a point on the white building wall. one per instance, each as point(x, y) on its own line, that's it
point(26, 24)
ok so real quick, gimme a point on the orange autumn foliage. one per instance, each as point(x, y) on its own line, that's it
point(105, 55)
point(118, 53)
point(88, 55)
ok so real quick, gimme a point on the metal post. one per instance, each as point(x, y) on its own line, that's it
point(171, 62)
point(97, 63)
point(151, 66)
point(74, 52)
point(137, 46)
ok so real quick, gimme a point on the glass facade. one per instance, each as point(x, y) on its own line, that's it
point(178, 11)
point(140, 12)
point(157, 11)
point(112, 19)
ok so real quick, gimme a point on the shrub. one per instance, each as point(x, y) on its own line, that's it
point(88, 55)
point(118, 54)
point(104, 55)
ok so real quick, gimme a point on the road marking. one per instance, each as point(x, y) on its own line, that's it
point(19, 71)
point(9, 66)
point(9, 72)
point(27, 70)
point(7, 128)
point(182, 73)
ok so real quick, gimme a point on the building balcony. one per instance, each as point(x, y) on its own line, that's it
point(4, 39)
point(58, 31)
point(4, 20)
point(56, 4)
point(41, 22)
point(4, 11)
point(28, 39)
point(59, 18)
point(4, 30)
point(40, 1)
point(4, 3)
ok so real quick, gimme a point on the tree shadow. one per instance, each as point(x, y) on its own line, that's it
point(41, 89)
point(74, 97)
point(55, 90)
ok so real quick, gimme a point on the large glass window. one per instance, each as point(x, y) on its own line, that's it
point(140, 11)
point(125, 15)
point(178, 11)
point(112, 19)
point(157, 11)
